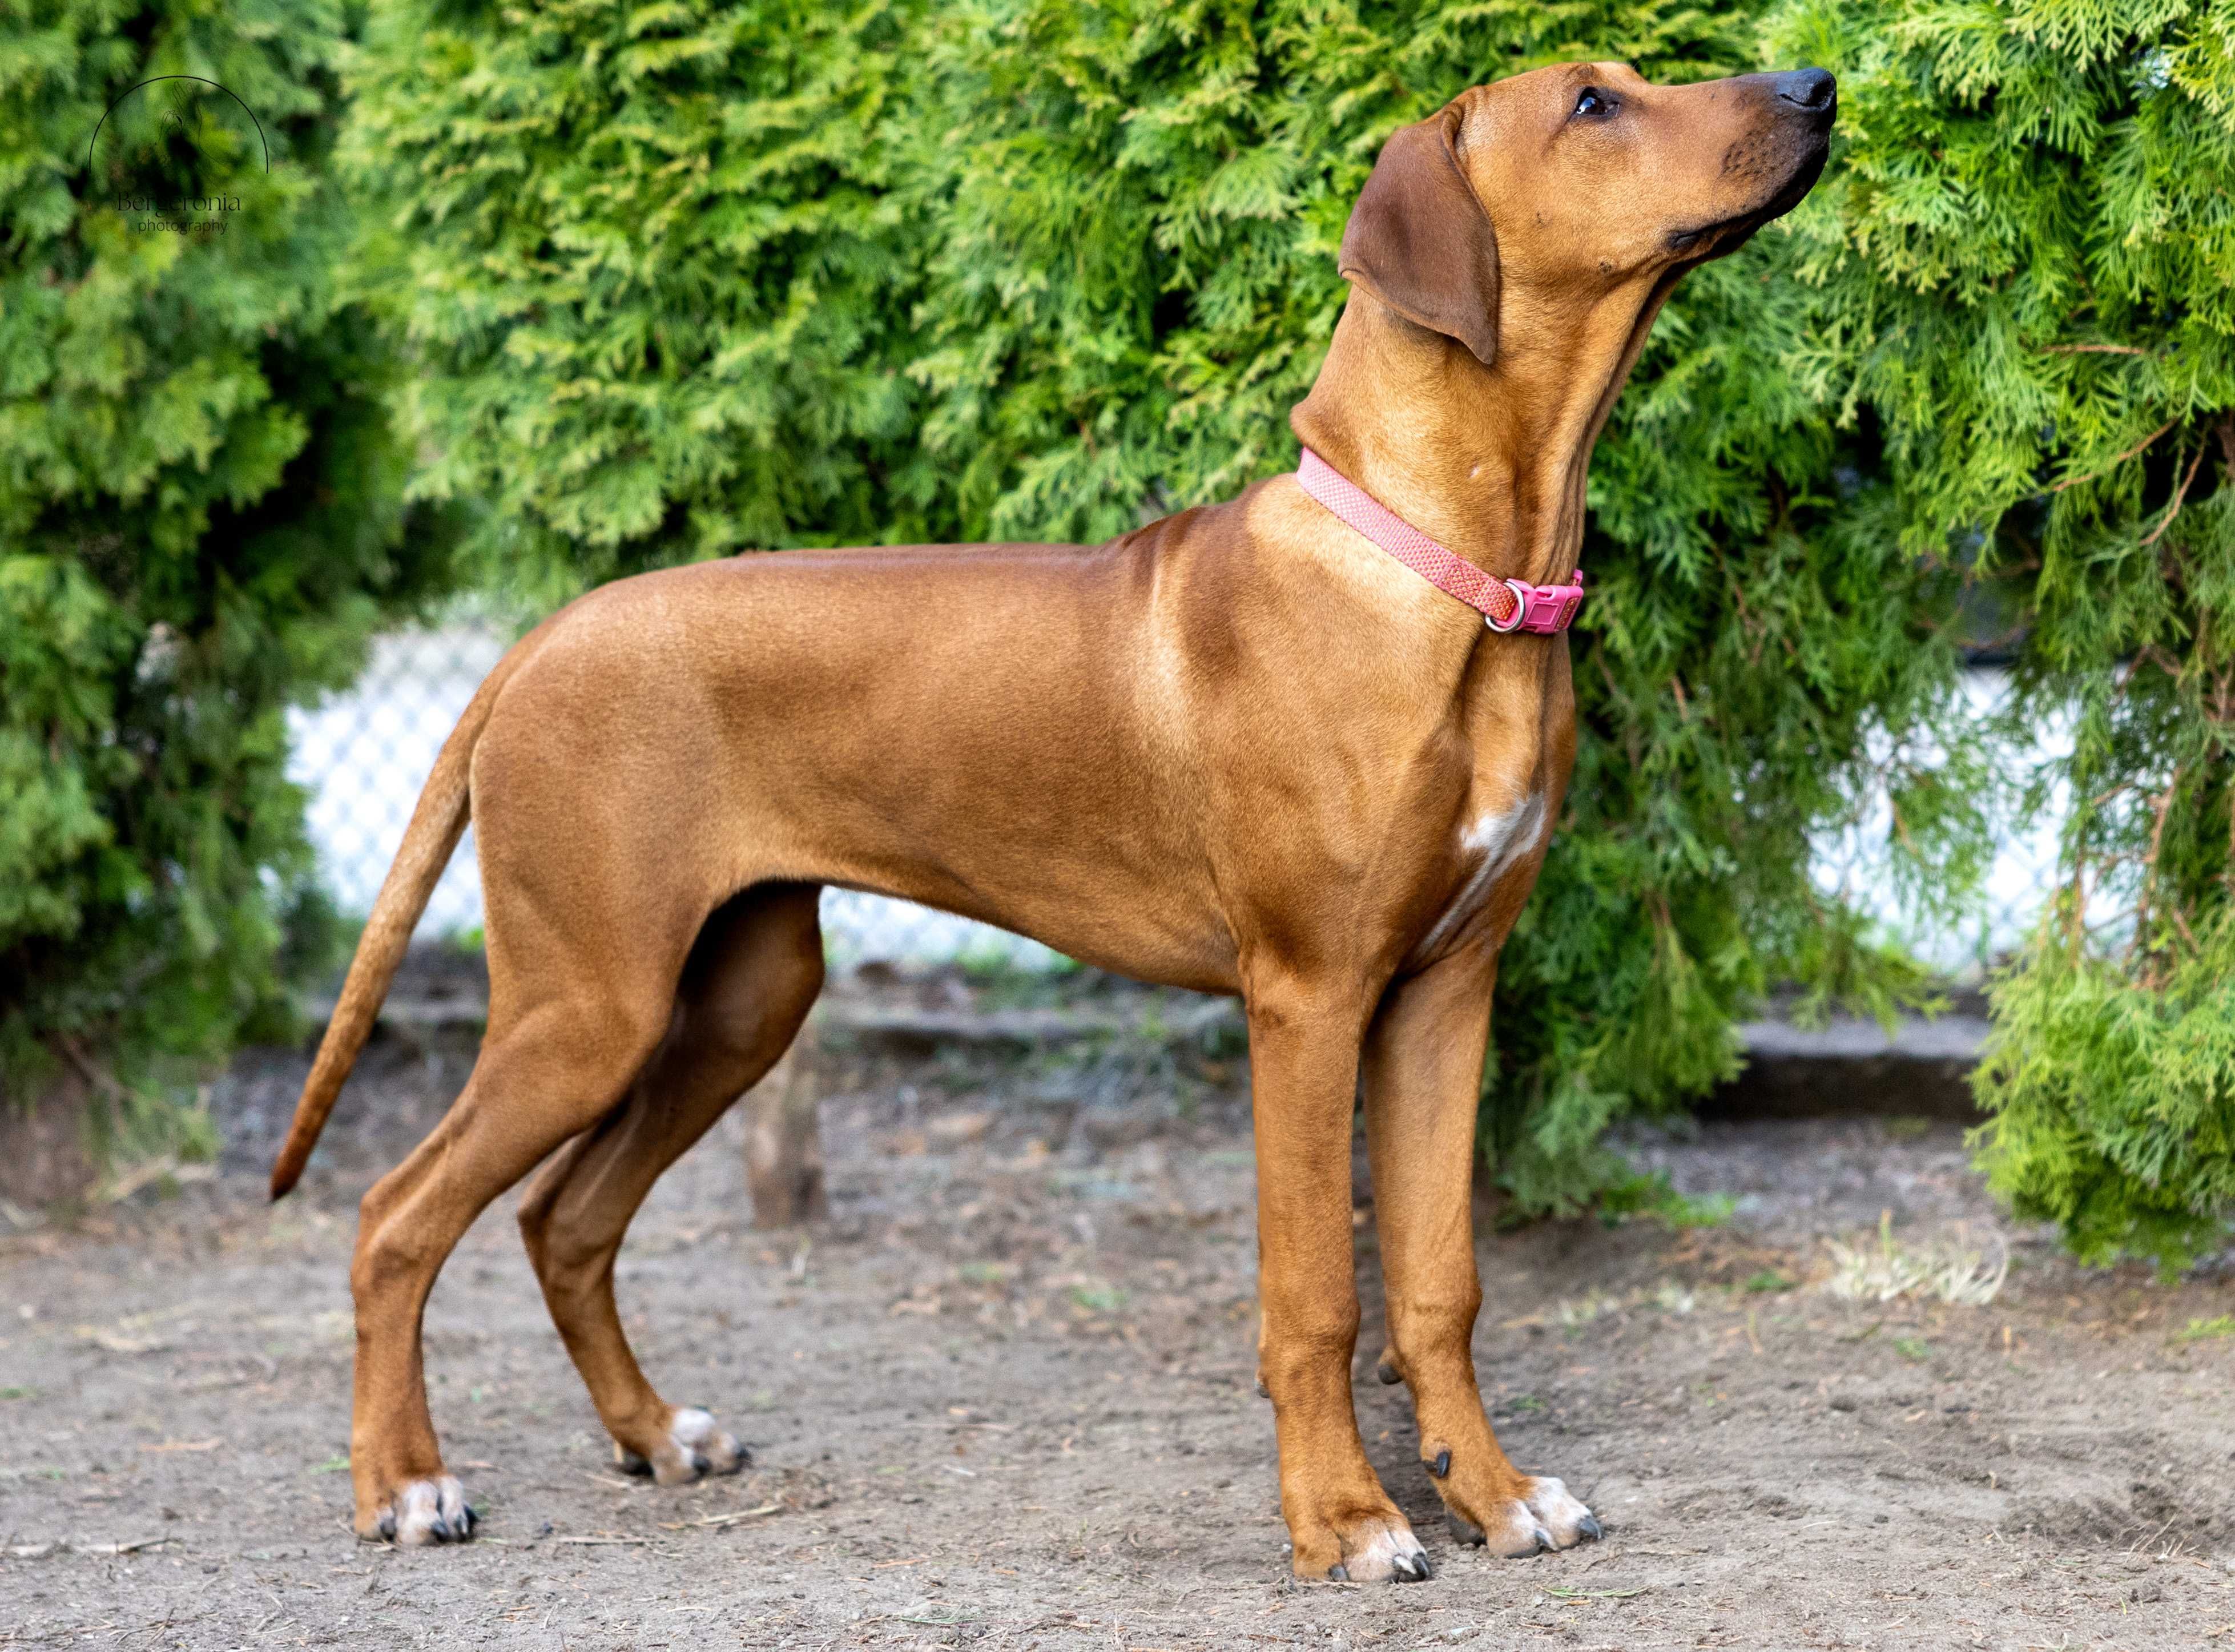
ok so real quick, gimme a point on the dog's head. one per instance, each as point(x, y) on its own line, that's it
point(1575, 182)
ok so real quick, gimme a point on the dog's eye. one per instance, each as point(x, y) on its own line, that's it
point(1593, 104)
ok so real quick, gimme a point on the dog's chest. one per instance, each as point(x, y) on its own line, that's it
point(1491, 843)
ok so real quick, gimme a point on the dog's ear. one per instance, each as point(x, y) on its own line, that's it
point(1420, 241)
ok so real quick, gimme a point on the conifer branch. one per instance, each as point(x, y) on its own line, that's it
point(2150, 875)
point(2179, 493)
point(2074, 482)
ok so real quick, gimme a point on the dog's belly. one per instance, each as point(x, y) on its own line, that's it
point(1099, 896)
point(1165, 949)
point(973, 741)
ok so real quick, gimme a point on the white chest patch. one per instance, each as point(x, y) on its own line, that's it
point(1500, 839)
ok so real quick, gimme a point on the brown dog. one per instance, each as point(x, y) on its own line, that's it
point(1240, 749)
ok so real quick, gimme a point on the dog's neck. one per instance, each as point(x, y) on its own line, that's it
point(1489, 460)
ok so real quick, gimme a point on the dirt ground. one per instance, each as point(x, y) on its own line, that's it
point(1003, 1398)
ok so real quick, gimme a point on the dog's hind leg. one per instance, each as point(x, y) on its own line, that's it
point(752, 976)
point(551, 1066)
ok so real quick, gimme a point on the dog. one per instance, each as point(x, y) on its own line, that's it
point(1243, 750)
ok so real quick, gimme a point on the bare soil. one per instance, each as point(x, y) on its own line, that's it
point(1003, 1398)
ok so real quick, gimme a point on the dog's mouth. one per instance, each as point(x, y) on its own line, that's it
point(1726, 233)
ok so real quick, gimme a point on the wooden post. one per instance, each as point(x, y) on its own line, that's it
point(783, 1148)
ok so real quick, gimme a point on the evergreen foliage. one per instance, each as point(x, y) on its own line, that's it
point(2025, 257)
point(198, 520)
point(654, 260)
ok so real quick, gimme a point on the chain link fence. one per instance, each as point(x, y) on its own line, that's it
point(363, 756)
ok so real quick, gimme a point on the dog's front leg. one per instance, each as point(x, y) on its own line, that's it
point(1424, 1057)
point(1303, 1054)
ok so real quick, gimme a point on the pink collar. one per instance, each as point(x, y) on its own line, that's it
point(1504, 605)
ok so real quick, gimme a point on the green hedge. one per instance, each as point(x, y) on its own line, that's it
point(653, 260)
point(2026, 255)
point(199, 520)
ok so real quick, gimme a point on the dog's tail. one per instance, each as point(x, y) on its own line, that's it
point(437, 825)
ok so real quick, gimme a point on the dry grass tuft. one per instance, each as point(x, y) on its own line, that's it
point(1950, 1269)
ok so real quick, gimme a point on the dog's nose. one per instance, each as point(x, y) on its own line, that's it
point(1812, 89)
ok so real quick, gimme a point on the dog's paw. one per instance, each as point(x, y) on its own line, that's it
point(1544, 1516)
point(420, 1513)
point(694, 1445)
point(1562, 1516)
point(1379, 1549)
